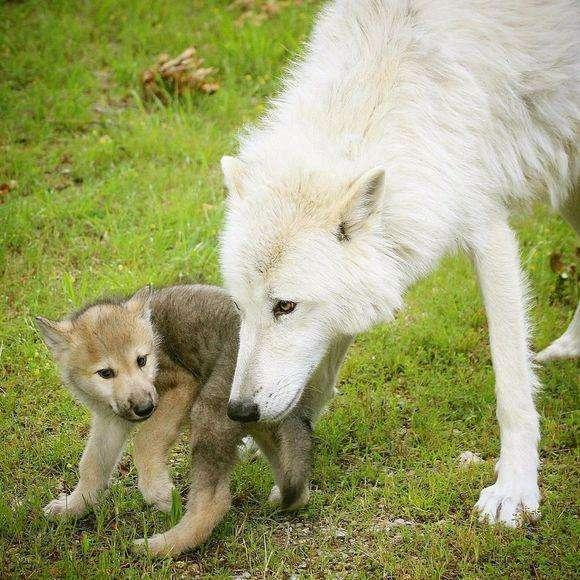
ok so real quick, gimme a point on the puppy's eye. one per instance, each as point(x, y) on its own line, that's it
point(237, 306)
point(106, 373)
point(284, 307)
point(141, 361)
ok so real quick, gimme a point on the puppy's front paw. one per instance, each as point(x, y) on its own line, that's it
point(156, 545)
point(295, 502)
point(66, 505)
point(158, 492)
point(275, 498)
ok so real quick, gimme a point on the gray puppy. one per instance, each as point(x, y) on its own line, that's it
point(153, 360)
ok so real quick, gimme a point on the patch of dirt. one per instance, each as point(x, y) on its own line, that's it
point(256, 12)
point(110, 102)
point(63, 175)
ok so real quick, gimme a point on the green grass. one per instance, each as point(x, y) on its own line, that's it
point(110, 201)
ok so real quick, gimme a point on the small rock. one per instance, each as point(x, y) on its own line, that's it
point(397, 523)
point(468, 458)
point(340, 533)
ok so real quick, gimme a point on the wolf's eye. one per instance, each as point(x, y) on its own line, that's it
point(284, 307)
point(106, 373)
point(141, 361)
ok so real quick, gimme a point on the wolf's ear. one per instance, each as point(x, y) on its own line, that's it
point(140, 301)
point(234, 171)
point(56, 335)
point(363, 200)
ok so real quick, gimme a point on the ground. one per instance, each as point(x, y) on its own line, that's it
point(112, 192)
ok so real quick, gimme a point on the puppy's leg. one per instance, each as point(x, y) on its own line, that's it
point(516, 489)
point(106, 440)
point(214, 449)
point(289, 451)
point(153, 442)
point(269, 444)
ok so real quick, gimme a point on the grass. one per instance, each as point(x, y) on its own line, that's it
point(112, 194)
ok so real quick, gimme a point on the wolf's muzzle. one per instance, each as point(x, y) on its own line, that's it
point(244, 411)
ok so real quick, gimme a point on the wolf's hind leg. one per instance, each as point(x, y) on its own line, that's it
point(102, 451)
point(153, 442)
point(568, 345)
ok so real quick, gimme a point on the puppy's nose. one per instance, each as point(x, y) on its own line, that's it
point(144, 410)
point(244, 411)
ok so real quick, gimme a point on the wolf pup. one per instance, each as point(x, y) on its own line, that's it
point(148, 361)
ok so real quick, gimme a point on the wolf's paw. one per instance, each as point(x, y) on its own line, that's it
point(158, 492)
point(566, 347)
point(66, 505)
point(508, 505)
point(156, 545)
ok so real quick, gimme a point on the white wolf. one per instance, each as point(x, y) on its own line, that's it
point(409, 129)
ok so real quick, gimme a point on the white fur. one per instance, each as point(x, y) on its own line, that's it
point(471, 109)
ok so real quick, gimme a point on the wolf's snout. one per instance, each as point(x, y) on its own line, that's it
point(244, 411)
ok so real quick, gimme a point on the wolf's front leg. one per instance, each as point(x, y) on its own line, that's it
point(101, 454)
point(504, 293)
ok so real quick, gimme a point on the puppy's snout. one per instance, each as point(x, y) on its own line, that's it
point(144, 410)
point(244, 411)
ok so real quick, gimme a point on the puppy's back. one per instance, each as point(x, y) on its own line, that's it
point(197, 325)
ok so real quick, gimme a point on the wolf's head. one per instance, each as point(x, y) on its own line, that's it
point(305, 263)
point(106, 355)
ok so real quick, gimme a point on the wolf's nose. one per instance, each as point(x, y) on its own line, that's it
point(144, 410)
point(243, 411)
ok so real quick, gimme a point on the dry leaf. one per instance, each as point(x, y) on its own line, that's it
point(556, 263)
point(177, 76)
point(5, 188)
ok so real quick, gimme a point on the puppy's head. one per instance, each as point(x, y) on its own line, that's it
point(107, 354)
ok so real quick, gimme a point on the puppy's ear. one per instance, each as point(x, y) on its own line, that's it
point(56, 335)
point(364, 199)
point(234, 172)
point(141, 300)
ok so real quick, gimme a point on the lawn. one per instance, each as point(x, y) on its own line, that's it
point(108, 192)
